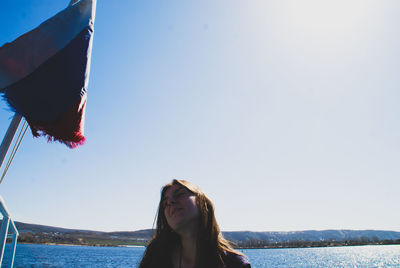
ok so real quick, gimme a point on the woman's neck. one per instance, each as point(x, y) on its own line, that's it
point(188, 248)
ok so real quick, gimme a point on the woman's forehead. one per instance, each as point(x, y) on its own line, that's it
point(173, 189)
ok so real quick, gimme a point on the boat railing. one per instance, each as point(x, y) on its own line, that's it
point(7, 230)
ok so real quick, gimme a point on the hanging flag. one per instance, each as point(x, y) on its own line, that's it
point(44, 74)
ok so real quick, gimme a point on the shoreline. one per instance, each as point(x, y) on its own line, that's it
point(236, 248)
point(83, 245)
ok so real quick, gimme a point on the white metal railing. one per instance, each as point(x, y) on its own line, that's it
point(7, 225)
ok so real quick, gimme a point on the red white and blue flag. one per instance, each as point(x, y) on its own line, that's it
point(44, 73)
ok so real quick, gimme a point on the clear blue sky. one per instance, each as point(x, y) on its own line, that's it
point(285, 112)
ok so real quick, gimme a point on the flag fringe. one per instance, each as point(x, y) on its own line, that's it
point(68, 129)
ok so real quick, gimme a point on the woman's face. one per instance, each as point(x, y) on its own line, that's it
point(180, 208)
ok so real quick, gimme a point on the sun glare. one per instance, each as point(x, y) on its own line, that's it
point(327, 17)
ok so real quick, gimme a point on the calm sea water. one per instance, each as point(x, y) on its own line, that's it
point(79, 256)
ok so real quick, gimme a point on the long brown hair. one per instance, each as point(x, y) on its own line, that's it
point(211, 245)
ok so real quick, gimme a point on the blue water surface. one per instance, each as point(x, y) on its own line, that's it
point(354, 256)
point(82, 256)
point(29, 255)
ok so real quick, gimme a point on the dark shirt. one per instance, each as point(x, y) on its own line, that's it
point(233, 260)
point(162, 259)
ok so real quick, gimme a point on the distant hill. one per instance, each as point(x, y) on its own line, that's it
point(33, 233)
point(326, 235)
point(36, 228)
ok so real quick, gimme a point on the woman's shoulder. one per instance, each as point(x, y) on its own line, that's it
point(234, 260)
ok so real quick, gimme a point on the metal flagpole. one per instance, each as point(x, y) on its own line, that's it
point(12, 129)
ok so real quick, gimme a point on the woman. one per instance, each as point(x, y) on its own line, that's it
point(187, 233)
